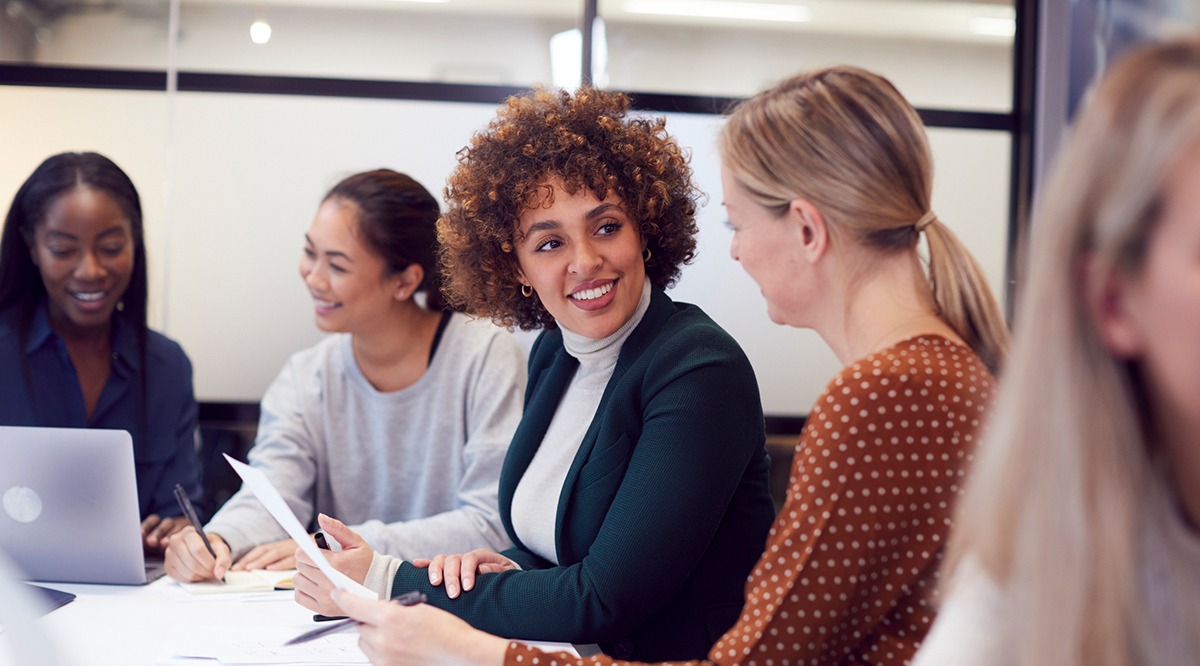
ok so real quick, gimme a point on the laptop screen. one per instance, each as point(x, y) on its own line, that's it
point(69, 505)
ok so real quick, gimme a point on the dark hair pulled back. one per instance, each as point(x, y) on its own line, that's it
point(397, 219)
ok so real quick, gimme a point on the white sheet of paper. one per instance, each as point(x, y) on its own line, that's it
point(275, 504)
point(264, 645)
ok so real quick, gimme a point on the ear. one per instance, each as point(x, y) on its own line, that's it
point(810, 225)
point(1112, 303)
point(407, 281)
point(521, 275)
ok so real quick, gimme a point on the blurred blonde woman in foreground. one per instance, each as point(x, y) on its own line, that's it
point(827, 181)
point(1077, 540)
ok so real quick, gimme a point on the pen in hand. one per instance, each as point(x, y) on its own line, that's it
point(319, 537)
point(190, 511)
point(407, 599)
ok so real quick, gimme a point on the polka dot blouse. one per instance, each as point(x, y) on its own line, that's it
point(850, 570)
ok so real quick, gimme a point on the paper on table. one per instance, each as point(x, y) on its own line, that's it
point(275, 504)
point(258, 580)
point(263, 645)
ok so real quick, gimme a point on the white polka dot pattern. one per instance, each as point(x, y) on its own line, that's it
point(850, 570)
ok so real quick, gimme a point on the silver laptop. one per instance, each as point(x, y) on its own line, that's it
point(70, 506)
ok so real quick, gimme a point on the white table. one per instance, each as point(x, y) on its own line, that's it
point(120, 625)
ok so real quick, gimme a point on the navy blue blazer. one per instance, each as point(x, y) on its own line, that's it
point(664, 510)
point(164, 453)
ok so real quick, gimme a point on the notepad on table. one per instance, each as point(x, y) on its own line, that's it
point(258, 580)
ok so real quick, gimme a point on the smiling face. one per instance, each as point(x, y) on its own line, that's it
point(583, 257)
point(349, 289)
point(767, 248)
point(84, 250)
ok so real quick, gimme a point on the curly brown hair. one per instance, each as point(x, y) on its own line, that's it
point(585, 140)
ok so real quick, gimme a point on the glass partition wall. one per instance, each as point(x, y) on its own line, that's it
point(946, 54)
point(278, 99)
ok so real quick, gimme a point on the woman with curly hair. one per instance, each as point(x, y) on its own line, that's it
point(635, 488)
point(827, 181)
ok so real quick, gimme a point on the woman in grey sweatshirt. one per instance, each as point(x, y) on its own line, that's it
point(399, 422)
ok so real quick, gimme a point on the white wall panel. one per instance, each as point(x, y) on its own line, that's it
point(249, 172)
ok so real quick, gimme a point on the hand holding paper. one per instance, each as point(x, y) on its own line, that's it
point(313, 589)
point(275, 504)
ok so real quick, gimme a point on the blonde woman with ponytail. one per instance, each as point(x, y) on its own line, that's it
point(844, 149)
point(1077, 541)
point(827, 182)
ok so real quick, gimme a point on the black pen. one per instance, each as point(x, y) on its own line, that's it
point(190, 512)
point(407, 599)
point(324, 545)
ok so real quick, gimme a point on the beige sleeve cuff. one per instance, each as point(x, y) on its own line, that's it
point(381, 574)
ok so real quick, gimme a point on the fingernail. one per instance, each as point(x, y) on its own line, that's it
point(435, 579)
point(467, 586)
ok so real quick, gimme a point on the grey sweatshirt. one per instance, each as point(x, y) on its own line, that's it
point(415, 471)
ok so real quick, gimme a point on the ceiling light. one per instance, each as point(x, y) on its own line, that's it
point(260, 31)
point(723, 9)
point(1000, 27)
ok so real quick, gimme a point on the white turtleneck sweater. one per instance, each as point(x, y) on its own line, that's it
point(535, 501)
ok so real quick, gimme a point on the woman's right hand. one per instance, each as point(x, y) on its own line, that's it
point(354, 560)
point(459, 570)
point(421, 635)
point(188, 560)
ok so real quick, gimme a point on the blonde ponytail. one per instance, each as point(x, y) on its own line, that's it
point(847, 141)
point(963, 298)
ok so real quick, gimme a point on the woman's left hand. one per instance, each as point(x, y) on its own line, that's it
point(459, 570)
point(155, 531)
point(395, 635)
point(274, 556)
point(354, 560)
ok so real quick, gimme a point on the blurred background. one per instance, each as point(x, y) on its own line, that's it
point(234, 118)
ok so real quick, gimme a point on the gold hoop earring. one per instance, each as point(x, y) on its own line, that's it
point(645, 255)
point(526, 290)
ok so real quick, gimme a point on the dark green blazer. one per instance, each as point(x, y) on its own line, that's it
point(663, 512)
